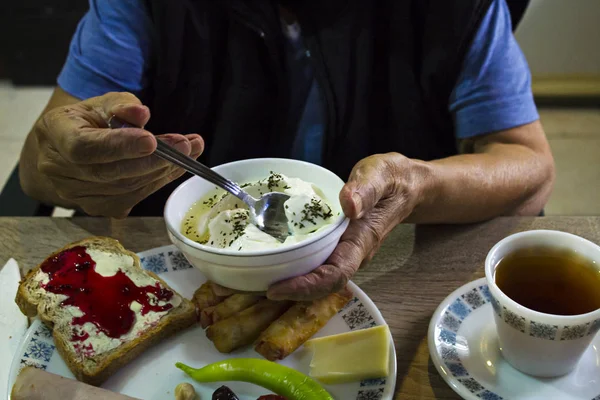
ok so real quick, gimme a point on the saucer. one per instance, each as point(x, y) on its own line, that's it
point(464, 348)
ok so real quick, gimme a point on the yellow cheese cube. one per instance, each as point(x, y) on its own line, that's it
point(351, 356)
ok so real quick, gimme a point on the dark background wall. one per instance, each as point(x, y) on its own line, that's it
point(35, 37)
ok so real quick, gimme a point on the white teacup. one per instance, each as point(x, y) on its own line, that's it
point(539, 344)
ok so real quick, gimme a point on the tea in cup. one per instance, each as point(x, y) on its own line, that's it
point(545, 288)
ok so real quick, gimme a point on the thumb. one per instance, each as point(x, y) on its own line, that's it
point(366, 186)
point(125, 106)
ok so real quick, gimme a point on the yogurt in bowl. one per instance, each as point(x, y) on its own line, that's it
point(197, 214)
point(221, 220)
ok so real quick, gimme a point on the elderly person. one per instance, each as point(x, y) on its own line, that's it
point(424, 107)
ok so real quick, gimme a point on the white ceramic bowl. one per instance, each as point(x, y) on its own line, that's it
point(256, 270)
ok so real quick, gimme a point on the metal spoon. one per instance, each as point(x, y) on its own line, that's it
point(267, 213)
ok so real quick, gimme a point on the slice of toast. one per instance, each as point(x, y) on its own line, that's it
point(98, 364)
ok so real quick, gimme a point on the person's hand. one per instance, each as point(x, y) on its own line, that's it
point(381, 192)
point(105, 172)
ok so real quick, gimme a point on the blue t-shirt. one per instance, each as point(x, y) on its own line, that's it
point(111, 51)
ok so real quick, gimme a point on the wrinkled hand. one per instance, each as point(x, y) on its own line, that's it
point(105, 171)
point(381, 192)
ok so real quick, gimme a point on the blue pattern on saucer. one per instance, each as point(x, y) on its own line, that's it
point(485, 291)
point(448, 337)
point(450, 322)
point(451, 347)
point(457, 369)
point(487, 395)
point(458, 310)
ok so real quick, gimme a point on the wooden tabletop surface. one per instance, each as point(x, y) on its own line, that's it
point(415, 269)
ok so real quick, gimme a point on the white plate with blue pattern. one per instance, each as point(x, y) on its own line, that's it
point(153, 375)
point(463, 345)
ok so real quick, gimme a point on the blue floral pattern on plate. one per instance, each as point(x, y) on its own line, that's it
point(39, 350)
point(371, 394)
point(178, 261)
point(155, 263)
point(356, 316)
point(43, 332)
point(373, 382)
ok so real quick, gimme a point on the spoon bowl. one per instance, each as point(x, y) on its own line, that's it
point(268, 214)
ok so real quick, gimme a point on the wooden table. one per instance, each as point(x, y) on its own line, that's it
point(416, 268)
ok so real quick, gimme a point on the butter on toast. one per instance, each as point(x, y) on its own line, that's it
point(104, 310)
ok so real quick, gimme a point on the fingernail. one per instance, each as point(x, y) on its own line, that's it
point(129, 105)
point(183, 146)
point(120, 107)
point(197, 142)
point(275, 295)
point(357, 203)
point(145, 145)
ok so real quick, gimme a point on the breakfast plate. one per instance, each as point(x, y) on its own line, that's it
point(463, 345)
point(153, 375)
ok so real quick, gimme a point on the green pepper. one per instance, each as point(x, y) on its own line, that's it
point(277, 378)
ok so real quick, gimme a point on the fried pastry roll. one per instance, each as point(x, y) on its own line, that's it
point(299, 324)
point(228, 307)
point(244, 327)
point(208, 295)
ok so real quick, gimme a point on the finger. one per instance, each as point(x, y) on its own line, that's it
point(197, 144)
point(78, 132)
point(369, 181)
point(223, 291)
point(80, 145)
point(319, 283)
point(74, 189)
point(52, 165)
point(123, 105)
point(106, 207)
point(355, 244)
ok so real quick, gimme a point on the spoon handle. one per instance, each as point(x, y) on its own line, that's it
point(166, 152)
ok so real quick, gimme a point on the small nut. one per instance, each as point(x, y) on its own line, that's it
point(185, 391)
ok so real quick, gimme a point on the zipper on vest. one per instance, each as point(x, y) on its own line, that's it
point(328, 98)
point(253, 27)
point(246, 20)
point(243, 17)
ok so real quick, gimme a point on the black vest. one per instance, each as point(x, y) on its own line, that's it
point(386, 68)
